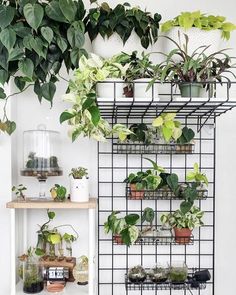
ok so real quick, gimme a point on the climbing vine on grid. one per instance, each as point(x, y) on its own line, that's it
point(36, 38)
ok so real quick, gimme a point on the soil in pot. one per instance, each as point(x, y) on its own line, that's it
point(128, 91)
point(134, 193)
point(32, 288)
point(118, 239)
point(182, 235)
point(190, 89)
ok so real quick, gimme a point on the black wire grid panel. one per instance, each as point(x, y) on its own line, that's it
point(114, 260)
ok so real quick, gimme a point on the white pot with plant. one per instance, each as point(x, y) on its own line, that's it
point(79, 185)
point(200, 28)
point(124, 29)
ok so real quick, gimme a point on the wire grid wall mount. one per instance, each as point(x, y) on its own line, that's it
point(115, 259)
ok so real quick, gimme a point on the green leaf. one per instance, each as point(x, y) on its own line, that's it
point(157, 122)
point(38, 90)
point(48, 91)
point(62, 43)
point(47, 34)
point(167, 133)
point(39, 252)
point(3, 76)
point(68, 8)
point(15, 54)
point(8, 38)
point(54, 238)
point(2, 93)
point(54, 12)
point(51, 215)
point(33, 14)
point(131, 219)
point(6, 15)
point(66, 116)
point(26, 66)
point(95, 113)
point(75, 36)
point(37, 46)
point(20, 83)
point(76, 134)
point(10, 127)
point(185, 206)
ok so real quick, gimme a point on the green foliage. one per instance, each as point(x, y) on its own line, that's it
point(19, 191)
point(123, 226)
point(196, 19)
point(197, 67)
point(148, 216)
point(79, 173)
point(149, 180)
point(187, 136)
point(58, 193)
point(178, 274)
point(169, 128)
point(36, 38)
point(197, 176)
point(140, 133)
point(84, 118)
point(191, 219)
point(122, 20)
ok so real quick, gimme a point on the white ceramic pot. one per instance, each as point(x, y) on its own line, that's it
point(196, 37)
point(107, 47)
point(79, 190)
point(141, 92)
point(111, 88)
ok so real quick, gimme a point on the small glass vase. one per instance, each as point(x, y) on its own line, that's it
point(80, 272)
point(32, 277)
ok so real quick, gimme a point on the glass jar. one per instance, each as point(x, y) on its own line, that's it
point(159, 274)
point(32, 277)
point(178, 272)
point(80, 271)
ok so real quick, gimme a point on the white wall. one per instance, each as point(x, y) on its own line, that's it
point(83, 152)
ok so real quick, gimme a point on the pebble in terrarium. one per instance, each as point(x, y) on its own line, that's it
point(41, 152)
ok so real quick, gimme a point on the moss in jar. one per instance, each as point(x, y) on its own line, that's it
point(33, 282)
point(178, 274)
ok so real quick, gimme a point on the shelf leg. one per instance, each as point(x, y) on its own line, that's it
point(25, 237)
point(13, 251)
point(91, 250)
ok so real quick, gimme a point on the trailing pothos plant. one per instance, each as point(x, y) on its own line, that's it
point(84, 117)
point(36, 38)
point(122, 20)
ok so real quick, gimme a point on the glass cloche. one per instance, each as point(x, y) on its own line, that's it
point(41, 154)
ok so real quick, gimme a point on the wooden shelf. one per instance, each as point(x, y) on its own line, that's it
point(70, 289)
point(50, 204)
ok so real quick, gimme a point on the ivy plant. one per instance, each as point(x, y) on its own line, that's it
point(187, 20)
point(36, 38)
point(122, 20)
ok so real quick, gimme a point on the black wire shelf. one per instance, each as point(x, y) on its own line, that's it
point(158, 148)
point(158, 240)
point(164, 193)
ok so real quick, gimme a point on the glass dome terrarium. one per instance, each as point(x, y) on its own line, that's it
point(41, 152)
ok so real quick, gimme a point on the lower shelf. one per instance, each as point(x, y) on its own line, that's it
point(70, 289)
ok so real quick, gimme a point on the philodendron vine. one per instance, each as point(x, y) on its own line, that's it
point(84, 117)
point(36, 38)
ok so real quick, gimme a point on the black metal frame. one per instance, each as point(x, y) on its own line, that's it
point(115, 260)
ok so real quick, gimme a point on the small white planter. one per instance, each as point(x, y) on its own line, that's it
point(111, 88)
point(141, 92)
point(107, 47)
point(196, 37)
point(79, 190)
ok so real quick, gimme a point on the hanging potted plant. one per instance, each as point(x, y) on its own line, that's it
point(200, 179)
point(201, 29)
point(121, 29)
point(193, 72)
point(124, 229)
point(183, 223)
point(185, 142)
point(149, 230)
point(79, 185)
point(144, 183)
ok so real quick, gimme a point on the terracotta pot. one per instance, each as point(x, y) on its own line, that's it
point(134, 193)
point(118, 239)
point(182, 235)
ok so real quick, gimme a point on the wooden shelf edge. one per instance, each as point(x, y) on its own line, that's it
point(50, 204)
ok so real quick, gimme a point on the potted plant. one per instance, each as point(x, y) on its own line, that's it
point(185, 141)
point(146, 182)
point(37, 38)
point(201, 29)
point(113, 30)
point(58, 193)
point(148, 216)
point(124, 229)
point(84, 117)
point(193, 72)
point(158, 274)
point(69, 239)
point(178, 273)
point(183, 223)
point(137, 274)
point(19, 191)
point(138, 75)
point(79, 185)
